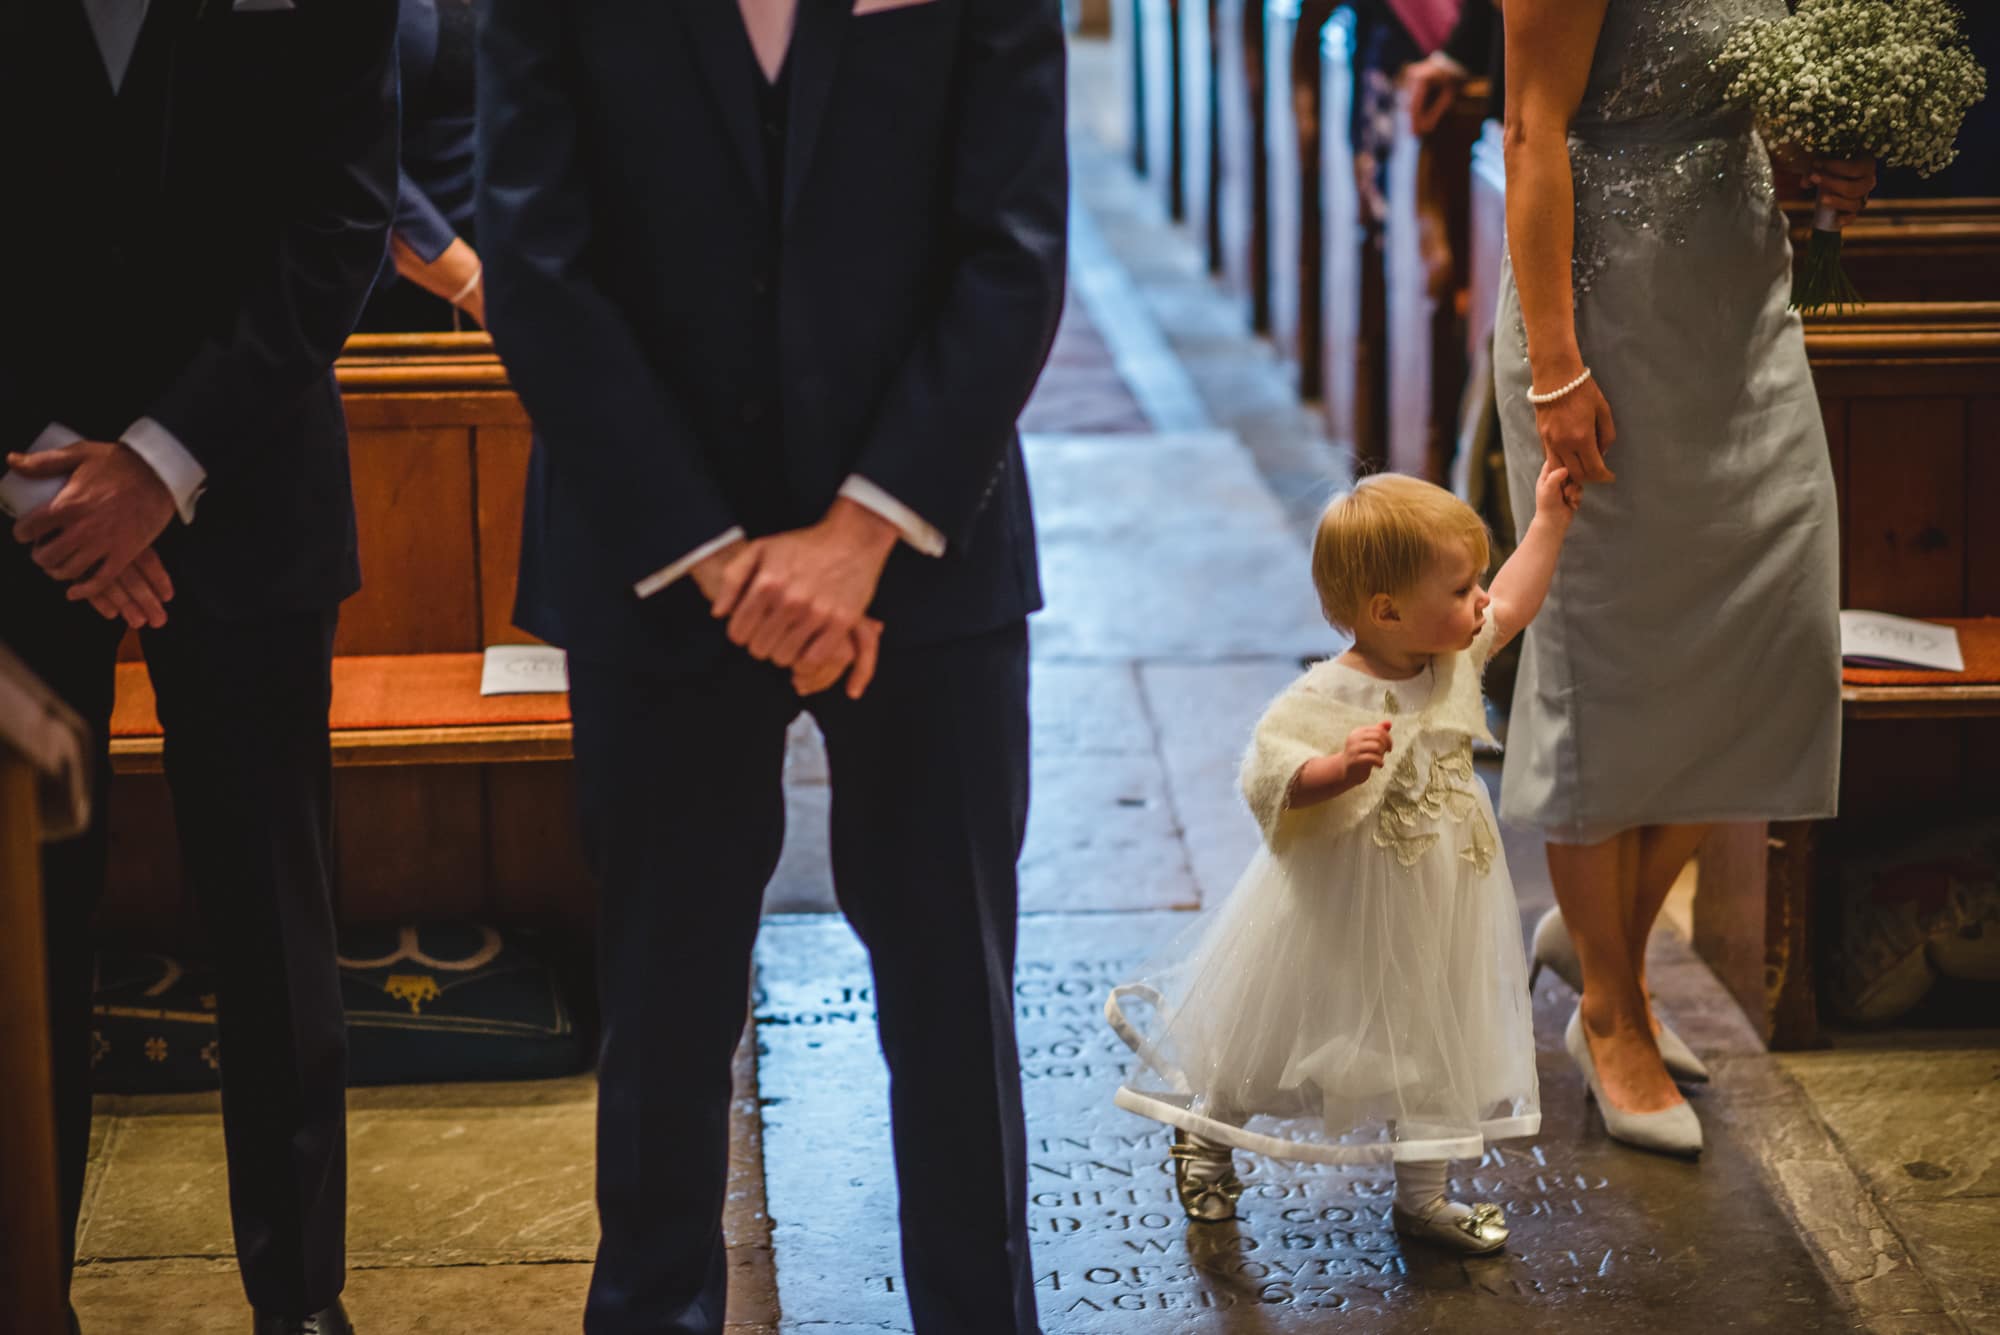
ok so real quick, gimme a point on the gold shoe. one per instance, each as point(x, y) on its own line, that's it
point(1475, 1234)
point(1204, 1201)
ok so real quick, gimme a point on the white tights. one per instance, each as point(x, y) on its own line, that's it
point(1420, 1187)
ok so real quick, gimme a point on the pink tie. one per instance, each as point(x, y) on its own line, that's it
point(770, 26)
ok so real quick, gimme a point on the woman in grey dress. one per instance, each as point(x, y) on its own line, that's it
point(1686, 669)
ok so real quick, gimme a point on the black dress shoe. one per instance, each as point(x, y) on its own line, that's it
point(327, 1321)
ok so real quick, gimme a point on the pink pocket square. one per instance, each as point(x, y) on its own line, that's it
point(863, 8)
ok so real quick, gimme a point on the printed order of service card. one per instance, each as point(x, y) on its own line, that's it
point(523, 669)
point(1871, 638)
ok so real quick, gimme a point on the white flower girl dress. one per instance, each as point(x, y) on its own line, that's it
point(1362, 993)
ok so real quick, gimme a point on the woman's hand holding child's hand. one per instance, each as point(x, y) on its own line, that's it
point(1556, 497)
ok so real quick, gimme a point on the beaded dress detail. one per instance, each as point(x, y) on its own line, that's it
point(1686, 664)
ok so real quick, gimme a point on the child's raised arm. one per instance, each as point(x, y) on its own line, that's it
point(1522, 583)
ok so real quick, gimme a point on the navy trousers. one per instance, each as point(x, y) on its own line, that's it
point(244, 706)
point(680, 782)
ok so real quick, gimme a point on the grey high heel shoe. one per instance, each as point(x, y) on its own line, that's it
point(1555, 952)
point(1674, 1130)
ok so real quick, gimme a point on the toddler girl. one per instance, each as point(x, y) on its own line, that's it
point(1362, 995)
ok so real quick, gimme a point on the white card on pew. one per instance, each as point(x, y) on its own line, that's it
point(1876, 639)
point(523, 669)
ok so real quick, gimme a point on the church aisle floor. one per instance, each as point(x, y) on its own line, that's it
point(1174, 476)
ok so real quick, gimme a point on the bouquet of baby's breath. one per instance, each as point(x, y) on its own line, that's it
point(1887, 79)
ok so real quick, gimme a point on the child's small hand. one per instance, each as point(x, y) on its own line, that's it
point(1367, 749)
point(1556, 497)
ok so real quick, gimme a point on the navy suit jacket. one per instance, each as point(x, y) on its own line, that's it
point(661, 300)
point(197, 249)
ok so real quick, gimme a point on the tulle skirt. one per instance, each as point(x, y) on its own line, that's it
point(1342, 1007)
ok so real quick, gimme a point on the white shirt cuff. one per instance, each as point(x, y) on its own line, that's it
point(661, 578)
point(163, 452)
point(1451, 63)
point(20, 496)
point(915, 530)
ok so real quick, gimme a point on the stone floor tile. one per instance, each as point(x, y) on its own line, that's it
point(1953, 1241)
point(1101, 836)
point(1144, 361)
point(803, 882)
point(1166, 547)
point(1088, 709)
point(1915, 1323)
point(1081, 388)
point(471, 1186)
point(1205, 714)
point(1605, 1236)
point(1862, 1069)
point(1922, 1144)
point(163, 1191)
point(137, 1297)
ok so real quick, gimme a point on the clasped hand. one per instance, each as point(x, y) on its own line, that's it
point(96, 536)
point(799, 600)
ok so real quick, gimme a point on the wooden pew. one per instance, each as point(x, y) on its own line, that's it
point(1917, 249)
point(1158, 38)
point(1427, 270)
point(1296, 32)
point(1331, 340)
point(1486, 253)
point(465, 817)
point(1128, 59)
point(1197, 93)
point(1242, 193)
point(1911, 397)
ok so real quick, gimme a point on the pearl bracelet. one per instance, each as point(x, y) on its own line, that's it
point(1554, 394)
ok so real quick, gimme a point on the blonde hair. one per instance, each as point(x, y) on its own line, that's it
point(1382, 536)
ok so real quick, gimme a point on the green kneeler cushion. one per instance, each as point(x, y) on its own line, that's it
point(425, 1005)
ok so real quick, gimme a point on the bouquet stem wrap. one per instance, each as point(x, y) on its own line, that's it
point(1821, 283)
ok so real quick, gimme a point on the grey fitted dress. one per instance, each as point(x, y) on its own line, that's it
point(1686, 667)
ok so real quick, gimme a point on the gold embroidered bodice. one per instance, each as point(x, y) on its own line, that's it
point(1420, 796)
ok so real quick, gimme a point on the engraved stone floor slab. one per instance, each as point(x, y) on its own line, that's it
point(1604, 1238)
point(1165, 547)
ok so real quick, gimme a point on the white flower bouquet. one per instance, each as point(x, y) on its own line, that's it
point(1887, 79)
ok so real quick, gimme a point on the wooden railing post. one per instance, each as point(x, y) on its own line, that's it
point(30, 1219)
point(1198, 146)
point(1159, 98)
point(1242, 201)
point(1332, 335)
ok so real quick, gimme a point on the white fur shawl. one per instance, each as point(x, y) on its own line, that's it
point(1309, 720)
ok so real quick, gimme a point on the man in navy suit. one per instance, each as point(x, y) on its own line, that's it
point(774, 279)
point(199, 194)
